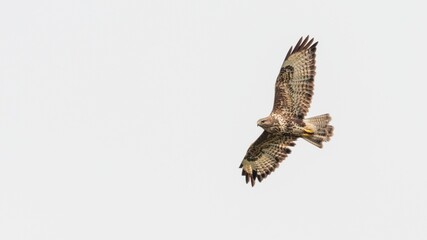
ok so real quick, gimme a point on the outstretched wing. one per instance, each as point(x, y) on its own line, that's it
point(294, 85)
point(264, 155)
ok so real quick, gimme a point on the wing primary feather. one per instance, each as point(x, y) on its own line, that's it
point(304, 43)
point(254, 173)
point(310, 42)
point(288, 54)
point(300, 46)
point(296, 49)
point(314, 45)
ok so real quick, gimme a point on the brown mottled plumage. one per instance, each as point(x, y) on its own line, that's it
point(286, 122)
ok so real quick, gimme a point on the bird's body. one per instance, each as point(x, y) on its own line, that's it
point(286, 123)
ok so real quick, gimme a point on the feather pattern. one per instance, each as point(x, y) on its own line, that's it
point(286, 123)
point(264, 155)
point(295, 83)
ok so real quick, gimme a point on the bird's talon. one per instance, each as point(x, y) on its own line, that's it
point(308, 131)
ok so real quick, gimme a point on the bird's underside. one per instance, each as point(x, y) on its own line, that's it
point(287, 122)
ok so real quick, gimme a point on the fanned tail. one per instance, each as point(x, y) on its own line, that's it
point(322, 130)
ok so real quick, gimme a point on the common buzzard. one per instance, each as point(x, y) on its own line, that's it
point(286, 122)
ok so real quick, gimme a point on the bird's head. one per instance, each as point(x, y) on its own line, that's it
point(266, 122)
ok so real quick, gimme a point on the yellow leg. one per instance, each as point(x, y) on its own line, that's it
point(307, 130)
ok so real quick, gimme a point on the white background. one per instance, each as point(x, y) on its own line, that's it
point(129, 119)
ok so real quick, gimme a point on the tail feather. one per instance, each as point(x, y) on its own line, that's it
point(322, 130)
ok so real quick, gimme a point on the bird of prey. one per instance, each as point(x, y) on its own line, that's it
point(286, 122)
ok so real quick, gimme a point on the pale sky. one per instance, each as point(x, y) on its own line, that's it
point(129, 120)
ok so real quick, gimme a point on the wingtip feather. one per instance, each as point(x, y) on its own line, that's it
point(302, 44)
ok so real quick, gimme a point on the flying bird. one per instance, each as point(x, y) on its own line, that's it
point(286, 122)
